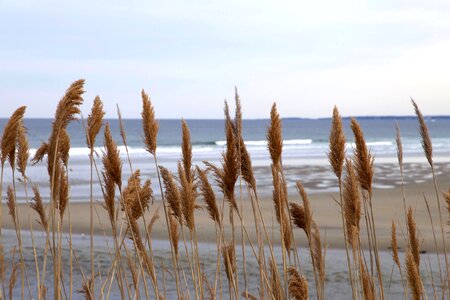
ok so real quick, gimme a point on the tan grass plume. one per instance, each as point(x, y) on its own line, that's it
point(188, 195)
point(307, 208)
point(366, 281)
point(352, 203)
point(229, 260)
point(274, 280)
point(414, 281)
point(363, 158)
point(298, 286)
point(66, 111)
point(394, 245)
point(412, 237)
point(9, 137)
point(94, 122)
point(274, 136)
point(137, 197)
point(208, 195)
point(426, 140)
point(23, 149)
point(186, 151)
point(230, 163)
point(447, 201)
point(336, 155)
point(109, 197)
point(111, 159)
point(149, 124)
point(63, 193)
point(11, 202)
point(174, 233)
point(37, 205)
point(398, 141)
point(172, 194)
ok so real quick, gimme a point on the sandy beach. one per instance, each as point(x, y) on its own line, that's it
point(387, 204)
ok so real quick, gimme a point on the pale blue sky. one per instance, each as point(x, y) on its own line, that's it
point(367, 57)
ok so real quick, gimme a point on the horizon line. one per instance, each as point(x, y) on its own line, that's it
point(256, 119)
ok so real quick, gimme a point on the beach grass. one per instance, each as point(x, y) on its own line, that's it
point(245, 230)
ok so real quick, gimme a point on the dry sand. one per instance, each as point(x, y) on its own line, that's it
point(387, 204)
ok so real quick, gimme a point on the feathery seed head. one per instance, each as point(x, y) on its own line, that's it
point(363, 158)
point(149, 124)
point(9, 137)
point(274, 136)
point(336, 155)
point(111, 159)
point(426, 139)
point(94, 122)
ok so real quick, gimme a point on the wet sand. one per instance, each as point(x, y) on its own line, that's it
point(387, 205)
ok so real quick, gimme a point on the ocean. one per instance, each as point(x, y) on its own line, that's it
point(304, 151)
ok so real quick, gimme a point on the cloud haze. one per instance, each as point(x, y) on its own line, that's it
point(368, 57)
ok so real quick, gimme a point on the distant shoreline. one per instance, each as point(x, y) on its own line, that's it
point(362, 117)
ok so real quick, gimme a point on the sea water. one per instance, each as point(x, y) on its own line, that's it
point(305, 149)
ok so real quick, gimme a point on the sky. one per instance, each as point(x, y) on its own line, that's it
point(366, 57)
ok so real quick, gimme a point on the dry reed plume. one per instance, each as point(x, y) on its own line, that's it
point(336, 155)
point(363, 158)
point(94, 122)
point(149, 124)
point(10, 134)
point(298, 286)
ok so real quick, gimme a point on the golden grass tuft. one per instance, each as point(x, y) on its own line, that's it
point(398, 141)
point(174, 233)
point(412, 271)
point(230, 163)
point(109, 197)
point(367, 284)
point(209, 197)
point(352, 203)
point(426, 140)
point(394, 245)
point(11, 202)
point(306, 206)
point(94, 122)
point(275, 281)
point(412, 237)
point(447, 201)
point(64, 146)
point(336, 155)
point(9, 137)
point(23, 149)
point(40, 153)
point(59, 142)
point(149, 124)
point(363, 158)
point(188, 195)
point(274, 136)
point(63, 193)
point(137, 197)
point(186, 150)
point(172, 194)
point(229, 260)
point(38, 207)
point(298, 215)
point(111, 159)
point(298, 286)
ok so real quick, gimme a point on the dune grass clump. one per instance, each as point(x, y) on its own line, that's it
point(132, 212)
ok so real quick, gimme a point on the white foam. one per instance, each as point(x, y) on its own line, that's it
point(264, 142)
